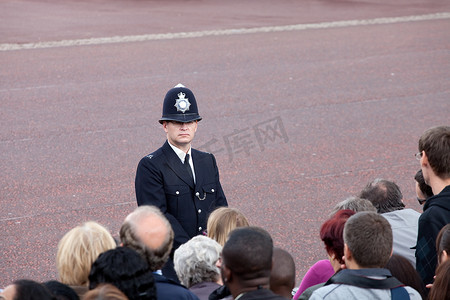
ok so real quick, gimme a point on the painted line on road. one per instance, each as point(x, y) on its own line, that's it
point(197, 34)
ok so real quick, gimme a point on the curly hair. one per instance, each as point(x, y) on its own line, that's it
point(195, 261)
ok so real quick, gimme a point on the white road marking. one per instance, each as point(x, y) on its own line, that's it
point(197, 34)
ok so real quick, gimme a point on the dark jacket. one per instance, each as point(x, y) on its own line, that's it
point(167, 289)
point(262, 294)
point(163, 181)
point(436, 214)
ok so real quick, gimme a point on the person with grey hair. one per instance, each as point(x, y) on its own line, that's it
point(386, 196)
point(354, 203)
point(147, 231)
point(196, 265)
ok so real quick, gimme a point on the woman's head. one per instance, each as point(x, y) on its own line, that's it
point(441, 286)
point(127, 270)
point(222, 221)
point(404, 271)
point(443, 244)
point(78, 249)
point(331, 233)
point(195, 261)
point(27, 290)
point(105, 292)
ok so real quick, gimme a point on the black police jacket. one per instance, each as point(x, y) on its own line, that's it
point(163, 181)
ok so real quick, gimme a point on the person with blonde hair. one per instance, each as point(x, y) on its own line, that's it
point(105, 291)
point(222, 221)
point(77, 250)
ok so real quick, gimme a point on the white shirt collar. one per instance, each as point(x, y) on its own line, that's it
point(181, 154)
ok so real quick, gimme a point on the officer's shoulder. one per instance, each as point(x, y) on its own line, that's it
point(153, 156)
point(200, 153)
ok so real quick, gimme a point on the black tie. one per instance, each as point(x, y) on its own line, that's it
point(188, 167)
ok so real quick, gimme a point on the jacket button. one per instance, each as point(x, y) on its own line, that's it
point(199, 211)
point(177, 192)
point(199, 229)
point(197, 194)
point(212, 190)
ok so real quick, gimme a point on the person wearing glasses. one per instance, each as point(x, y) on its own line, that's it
point(423, 190)
point(434, 157)
point(181, 181)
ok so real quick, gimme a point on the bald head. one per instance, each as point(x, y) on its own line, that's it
point(282, 276)
point(148, 232)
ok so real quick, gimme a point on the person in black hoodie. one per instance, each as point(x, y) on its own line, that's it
point(434, 156)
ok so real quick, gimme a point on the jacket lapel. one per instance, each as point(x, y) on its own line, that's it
point(174, 163)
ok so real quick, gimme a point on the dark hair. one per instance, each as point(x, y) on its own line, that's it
point(127, 270)
point(443, 241)
point(441, 286)
point(404, 271)
point(331, 233)
point(248, 252)
point(385, 195)
point(61, 291)
point(424, 188)
point(105, 292)
point(436, 144)
point(369, 238)
point(31, 290)
point(282, 276)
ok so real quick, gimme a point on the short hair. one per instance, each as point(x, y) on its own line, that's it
point(282, 276)
point(129, 236)
point(436, 144)
point(61, 291)
point(385, 195)
point(369, 237)
point(248, 253)
point(443, 241)
point(402, 269)
point(332, 231)
point(426, 190)
point(354, 203)
point(105, 292)
point(441, 284)
point(78, 249)
point(222, 221)
point(127, 270)
point(195, 261)
point(31, 290)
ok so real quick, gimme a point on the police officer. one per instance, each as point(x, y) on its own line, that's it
point(181, 181)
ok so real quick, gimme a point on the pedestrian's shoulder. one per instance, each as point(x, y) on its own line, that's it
point(325, 292)
point(413, 294)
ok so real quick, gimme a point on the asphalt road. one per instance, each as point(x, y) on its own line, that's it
point(303, 103)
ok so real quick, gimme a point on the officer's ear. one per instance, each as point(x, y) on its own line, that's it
point(164, 124)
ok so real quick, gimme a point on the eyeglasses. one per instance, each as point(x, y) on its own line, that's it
point(421, 201)
point(418, 155)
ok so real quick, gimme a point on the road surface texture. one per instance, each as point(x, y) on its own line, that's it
point(303, 103)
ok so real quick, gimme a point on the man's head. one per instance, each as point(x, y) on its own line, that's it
point(368, 241)
point(148, 232)
point(354, 203)
point(282, 276)
point(434, 145)
point(385, 195)
point(423, 190)
point(247, 258)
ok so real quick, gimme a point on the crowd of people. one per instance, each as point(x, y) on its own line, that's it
point(184, 242)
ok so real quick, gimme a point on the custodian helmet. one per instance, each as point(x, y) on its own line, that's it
point(180, 105)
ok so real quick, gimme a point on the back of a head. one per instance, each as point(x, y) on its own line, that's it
point(441, 286)
point(127, 270)
point(195, 261)
point(404, 271)
point(369, 238)
point(443, 243)
point(282, 276)
point(61, 291)
point(354, 203)
point(332, 233)
point(147, 231)
point(248, 253)
point(78, 249)
point(222, 221)
point(385, 195)
point(426, 190)
point(436, 144)
point(31, 290)
point(105, 292)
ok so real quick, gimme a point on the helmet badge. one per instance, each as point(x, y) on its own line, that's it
point(182, 103)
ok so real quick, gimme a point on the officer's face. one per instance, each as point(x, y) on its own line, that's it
point(180, 134)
